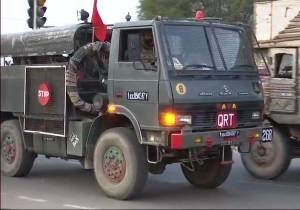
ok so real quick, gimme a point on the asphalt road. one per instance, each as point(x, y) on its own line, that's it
point(59, 184)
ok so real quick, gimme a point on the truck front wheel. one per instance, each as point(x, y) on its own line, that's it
point(269, 160)
point(15, 160)
point(120, 164)
point(212, 173)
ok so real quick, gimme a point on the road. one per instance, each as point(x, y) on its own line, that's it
point(59, 184)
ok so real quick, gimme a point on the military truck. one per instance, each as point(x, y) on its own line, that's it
point(133, 104)
point(277, 29)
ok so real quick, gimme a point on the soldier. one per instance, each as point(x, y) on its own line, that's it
point(147, 47)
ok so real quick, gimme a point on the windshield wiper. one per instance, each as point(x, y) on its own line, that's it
point(198, 66)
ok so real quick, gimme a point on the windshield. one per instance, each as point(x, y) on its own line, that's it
point(207, 48)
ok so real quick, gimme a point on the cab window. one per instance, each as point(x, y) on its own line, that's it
point(284, 66)
point(136, 45)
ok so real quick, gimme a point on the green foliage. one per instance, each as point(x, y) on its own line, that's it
point(231, 10)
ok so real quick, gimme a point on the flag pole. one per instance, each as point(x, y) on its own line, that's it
point(93, 36)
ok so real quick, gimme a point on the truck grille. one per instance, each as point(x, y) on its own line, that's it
point(208, 119)
point(204, 115)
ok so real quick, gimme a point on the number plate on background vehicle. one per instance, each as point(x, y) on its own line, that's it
point(267, 135)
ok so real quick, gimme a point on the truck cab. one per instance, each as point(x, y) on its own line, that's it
point(202, 77)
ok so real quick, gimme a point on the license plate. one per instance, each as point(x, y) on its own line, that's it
point(229, 137)
point(267, 135)
point(226, 120)
point(229, 134)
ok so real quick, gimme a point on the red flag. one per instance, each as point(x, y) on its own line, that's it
point(100, 27)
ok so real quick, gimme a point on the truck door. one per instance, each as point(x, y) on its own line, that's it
point(283, 83)
point(135, 83)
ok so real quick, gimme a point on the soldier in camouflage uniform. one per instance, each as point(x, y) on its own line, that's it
point(147, 47)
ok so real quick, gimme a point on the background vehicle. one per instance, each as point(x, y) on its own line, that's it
point(277, 28)
point(132, 105)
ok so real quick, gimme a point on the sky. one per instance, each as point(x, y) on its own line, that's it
point(64, 12)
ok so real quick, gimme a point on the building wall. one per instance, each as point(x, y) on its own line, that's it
point(271, 17)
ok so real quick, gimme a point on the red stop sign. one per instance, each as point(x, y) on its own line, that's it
point(44, 94)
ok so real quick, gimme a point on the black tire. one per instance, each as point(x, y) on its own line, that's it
point(211, 174)
point(276, 160)
point(23, 160)
point(134, 155)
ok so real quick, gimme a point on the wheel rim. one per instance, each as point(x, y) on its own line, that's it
point(114, 164)
point(9, 149)
point(263, 154)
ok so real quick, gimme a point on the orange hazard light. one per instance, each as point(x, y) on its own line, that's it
point(168, 119)
point(111, 108)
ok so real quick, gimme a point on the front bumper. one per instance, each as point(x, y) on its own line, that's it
point(235, 137)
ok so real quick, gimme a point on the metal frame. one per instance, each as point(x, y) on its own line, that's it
point(65, 102)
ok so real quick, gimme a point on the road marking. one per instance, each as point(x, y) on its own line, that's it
point(270, 184)
point(32, 199)
point(76, 206)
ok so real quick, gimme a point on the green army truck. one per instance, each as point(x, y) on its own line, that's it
point(281, 48)
point(156, 92)
point(282, 111)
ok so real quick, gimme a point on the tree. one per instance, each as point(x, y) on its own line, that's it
point(231, 10)
point(170, 8)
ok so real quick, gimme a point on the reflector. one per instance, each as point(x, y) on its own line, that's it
point(176, 141)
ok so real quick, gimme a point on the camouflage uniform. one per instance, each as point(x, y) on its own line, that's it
point(147, 47)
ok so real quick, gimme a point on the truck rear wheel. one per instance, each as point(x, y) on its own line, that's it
point(120, 164)
point(15, 160)
point(211, 174)
point(269, 160)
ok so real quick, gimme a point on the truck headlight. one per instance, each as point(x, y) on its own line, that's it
point(256, 115)
point(172, 119)
point(184, 119)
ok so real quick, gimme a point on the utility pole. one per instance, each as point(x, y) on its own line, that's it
point(34, 14)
